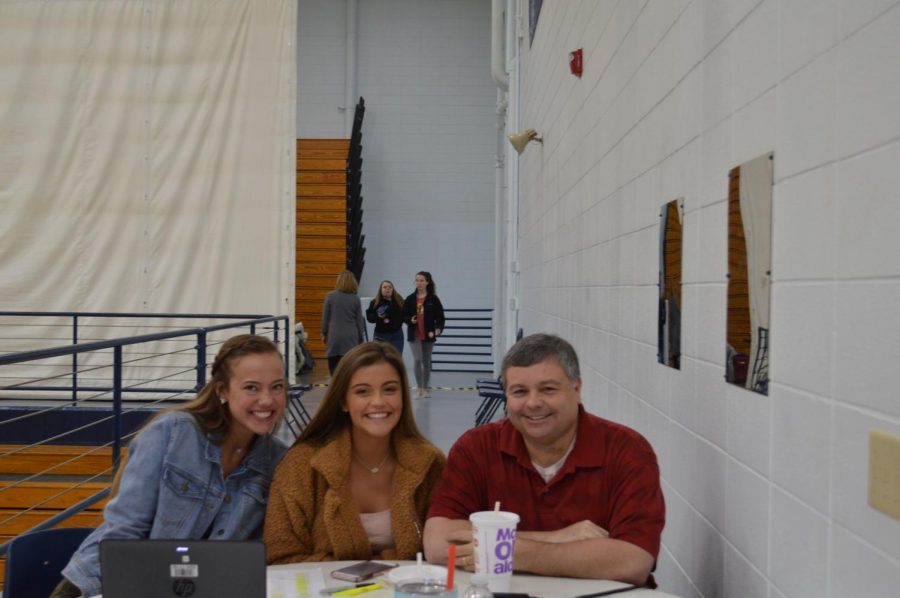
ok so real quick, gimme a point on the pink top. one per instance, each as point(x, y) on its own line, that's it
point(378, 529)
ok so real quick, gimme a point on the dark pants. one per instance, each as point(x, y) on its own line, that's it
point(394, 338)
point(333, 361)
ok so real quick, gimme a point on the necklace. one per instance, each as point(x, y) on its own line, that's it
point(377, 468)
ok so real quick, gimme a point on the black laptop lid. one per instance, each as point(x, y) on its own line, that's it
point(183, 568)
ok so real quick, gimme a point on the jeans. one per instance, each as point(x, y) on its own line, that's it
point(422, 357)
point(394, 338)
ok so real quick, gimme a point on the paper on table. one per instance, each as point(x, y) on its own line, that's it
point(294, 584)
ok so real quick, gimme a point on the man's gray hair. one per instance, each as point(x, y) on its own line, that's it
point(535, 348)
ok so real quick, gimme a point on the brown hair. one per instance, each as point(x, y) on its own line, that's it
point(207, 409)
point(430, 288)
point(346, 282)
point(330, 418)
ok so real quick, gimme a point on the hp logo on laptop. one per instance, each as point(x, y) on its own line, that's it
point(183, 587)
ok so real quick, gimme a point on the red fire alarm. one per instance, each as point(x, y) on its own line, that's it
point(575, 64)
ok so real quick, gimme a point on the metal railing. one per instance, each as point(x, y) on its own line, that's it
point(466, 343)
point(71, 377)
point(63, 371)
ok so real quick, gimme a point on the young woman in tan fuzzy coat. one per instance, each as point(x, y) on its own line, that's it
point(357, 483)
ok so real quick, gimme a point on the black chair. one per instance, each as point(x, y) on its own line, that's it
point(297, 417)
point(492, 396)
point(34, 562)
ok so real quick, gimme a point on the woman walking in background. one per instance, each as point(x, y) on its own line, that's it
point(343, 326)
point(424, 315)
point(386, 312)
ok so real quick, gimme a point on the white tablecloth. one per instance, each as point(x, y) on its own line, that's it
point(543, 587)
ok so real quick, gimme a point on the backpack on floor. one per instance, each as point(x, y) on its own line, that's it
point(303, 359)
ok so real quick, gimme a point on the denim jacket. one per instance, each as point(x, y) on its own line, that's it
point(172, 488)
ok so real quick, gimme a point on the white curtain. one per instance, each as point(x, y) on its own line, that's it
point(147, 157)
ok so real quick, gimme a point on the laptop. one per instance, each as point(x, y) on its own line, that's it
point(183, 568)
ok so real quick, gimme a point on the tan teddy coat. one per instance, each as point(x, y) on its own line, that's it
point(312, 516)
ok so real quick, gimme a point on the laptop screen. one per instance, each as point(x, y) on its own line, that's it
point(183, 568)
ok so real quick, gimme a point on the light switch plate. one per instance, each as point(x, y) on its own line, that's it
point(884, 472)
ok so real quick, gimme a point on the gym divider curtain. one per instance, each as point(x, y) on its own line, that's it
point(147, 157)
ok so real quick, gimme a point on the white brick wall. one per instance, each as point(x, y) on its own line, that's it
point(321, 68)
point(766, 495)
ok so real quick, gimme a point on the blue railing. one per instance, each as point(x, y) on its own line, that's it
point(65, 384)
point(279, 326)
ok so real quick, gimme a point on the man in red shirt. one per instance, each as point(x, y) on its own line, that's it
point(586, 489)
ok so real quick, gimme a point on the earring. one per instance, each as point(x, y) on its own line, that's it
point(222, 401)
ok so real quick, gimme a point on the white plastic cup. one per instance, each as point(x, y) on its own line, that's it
point(495, 543)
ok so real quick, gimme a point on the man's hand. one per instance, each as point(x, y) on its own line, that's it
point(582, 549)
point(465, 548)
point(440, 532)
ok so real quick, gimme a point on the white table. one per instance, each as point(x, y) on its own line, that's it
point(543, 587)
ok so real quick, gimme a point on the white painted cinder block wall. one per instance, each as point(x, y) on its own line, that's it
point(766, 496)
point(429, 135)
point(321, 69)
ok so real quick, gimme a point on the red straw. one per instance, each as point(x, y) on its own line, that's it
point(451, 565)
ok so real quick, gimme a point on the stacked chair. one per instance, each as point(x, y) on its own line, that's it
point(492, 396)
point(296, 416)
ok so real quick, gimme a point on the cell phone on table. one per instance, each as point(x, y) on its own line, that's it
point(361, 571)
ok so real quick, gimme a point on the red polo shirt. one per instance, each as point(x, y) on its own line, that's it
point(610, 477)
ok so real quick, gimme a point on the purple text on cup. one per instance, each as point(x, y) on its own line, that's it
point(503, 550)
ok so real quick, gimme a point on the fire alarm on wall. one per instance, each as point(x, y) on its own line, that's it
point(575, 64)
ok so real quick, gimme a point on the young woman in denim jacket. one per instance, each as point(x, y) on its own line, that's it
point(198, 471)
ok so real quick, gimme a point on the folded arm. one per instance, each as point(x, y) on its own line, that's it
point(583, 549)
point(597, 558)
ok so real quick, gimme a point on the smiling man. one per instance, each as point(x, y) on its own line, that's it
point(586, 489)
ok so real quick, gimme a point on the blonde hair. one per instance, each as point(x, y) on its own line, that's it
point(396, 297)
point(346, 282)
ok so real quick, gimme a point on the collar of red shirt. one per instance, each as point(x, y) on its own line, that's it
point(586, 452)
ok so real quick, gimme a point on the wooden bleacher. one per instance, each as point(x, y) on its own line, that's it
point(57, 468)
point(321, 229)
